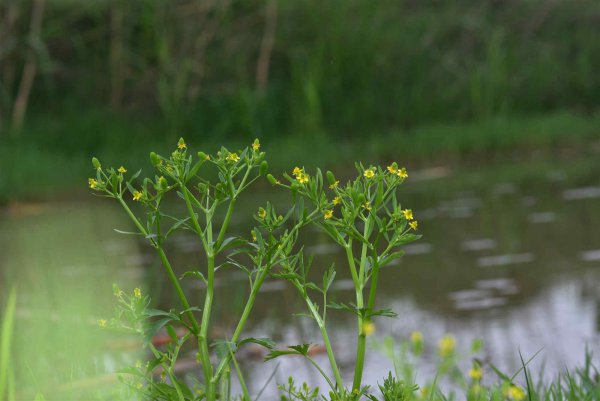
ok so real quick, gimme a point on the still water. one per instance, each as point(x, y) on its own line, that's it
point(510, 255)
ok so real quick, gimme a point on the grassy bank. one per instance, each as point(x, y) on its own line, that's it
point(53, 154)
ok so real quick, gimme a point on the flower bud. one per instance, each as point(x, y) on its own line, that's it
point(330, 177)
point(96, 163)
point(272, 180)
point(264, 167)
point(203, 156)
point(162, 183)
point(154, 159)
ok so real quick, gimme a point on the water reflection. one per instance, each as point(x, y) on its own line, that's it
point(515, 263)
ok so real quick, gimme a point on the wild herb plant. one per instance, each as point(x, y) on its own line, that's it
point(363, 216)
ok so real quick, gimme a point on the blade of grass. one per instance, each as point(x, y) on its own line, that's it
point(5, 342)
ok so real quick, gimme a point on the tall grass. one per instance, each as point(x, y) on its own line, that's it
point(6, 371)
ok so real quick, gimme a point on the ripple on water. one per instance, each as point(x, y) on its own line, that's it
point(590, 256)
point(581, 193)
point(542, 217)
point(480, 244)
point(505, 260)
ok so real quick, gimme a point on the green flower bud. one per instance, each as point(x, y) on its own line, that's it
point(203, 156)
point(271, 179)
point(264, 167)
point(162, 183)
point(96, 163)
point(330, 177)
point(154, 159)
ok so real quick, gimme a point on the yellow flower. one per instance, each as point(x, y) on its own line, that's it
point(368, 328)
point(328, 214)
point(416, 337)
point(93, 183)
point(137, 195)
point(337, 200)
point(392, 169)
point(137, 293)
point(233, 157)
point(402, 173)
point(181, 144)
point(302, 178)
point(476, 373)
point(102, 322)
point(367, 206)
point(407, 214)
point(255, 145)
point(262, 213)
point(297, 171)
point(334, 185)
point(122, 170)
point(414, 225)
point(253, 236)
point(446, 346)
point(369, 173)
point(515, 393)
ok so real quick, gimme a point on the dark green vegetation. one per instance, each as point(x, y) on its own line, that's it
point(104, 77)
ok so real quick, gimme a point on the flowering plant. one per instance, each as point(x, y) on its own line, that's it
point(364, 217)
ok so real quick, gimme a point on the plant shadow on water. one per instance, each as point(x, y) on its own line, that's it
point(514, 263)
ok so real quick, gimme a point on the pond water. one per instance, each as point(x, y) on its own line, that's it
point(510, 255)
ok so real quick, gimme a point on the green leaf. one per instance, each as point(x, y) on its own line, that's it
point(384, 313)
point(195, 274)
point(175, 226)
point(407, 238)
point(349, 308)
point(328, 277)
point(265, 342)
point(154, 327)
point(301, 349)
point(390, 257)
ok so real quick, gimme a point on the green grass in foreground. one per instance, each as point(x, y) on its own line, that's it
point(52, 156)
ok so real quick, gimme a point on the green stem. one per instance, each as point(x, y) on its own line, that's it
point(328, 348)
point(361, 341)
point(166, 264)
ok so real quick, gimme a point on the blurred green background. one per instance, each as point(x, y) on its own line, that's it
point(409, 78)
point(492, 105)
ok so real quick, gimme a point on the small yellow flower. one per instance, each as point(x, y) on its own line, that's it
point(337, 200)
point(262, 213)
point(408, 215)
point(233, 157)
point(515, 393)
point(368, 328)
point(102, 322)
point(414, 225)
point(369, 173)
point(137, 195)
point(181, 144)
point(297, 171)
point(253, 236)
point(367, 206)
point(138, 364)
point(402, 173)
point(328, 214)
point(137, 293)
point(476, 373)
point(255, 145)
point(122, 170)
point(392, 169)
point(334, 185)
point(302, 178)
point(416, 337)
point(93, 183)
point(446, 346)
